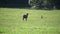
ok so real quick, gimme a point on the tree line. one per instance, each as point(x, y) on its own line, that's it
point(40, 4)
point(45, 4)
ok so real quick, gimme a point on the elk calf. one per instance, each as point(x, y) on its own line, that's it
point(25, 16)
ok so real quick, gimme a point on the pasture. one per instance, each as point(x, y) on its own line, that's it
point(11, 21)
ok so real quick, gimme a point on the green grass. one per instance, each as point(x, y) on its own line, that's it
point(11, 21)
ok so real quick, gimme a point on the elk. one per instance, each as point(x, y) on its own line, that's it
point(25, 16)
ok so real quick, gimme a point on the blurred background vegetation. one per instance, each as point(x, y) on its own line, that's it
point(40, 4)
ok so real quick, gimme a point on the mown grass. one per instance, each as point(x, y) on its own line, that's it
point(11, 21)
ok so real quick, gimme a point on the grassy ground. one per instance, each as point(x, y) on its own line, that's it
point(11, 21)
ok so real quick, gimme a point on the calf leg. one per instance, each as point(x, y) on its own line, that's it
point(26, 19)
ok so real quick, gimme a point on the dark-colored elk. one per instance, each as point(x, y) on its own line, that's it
point(25, 16)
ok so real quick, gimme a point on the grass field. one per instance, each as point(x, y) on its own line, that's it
point(11, 21)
